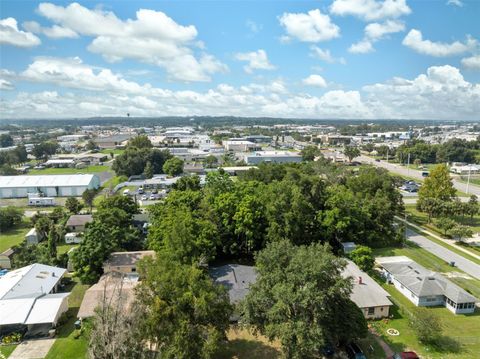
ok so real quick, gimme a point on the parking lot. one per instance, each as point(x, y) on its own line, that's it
point(145, 195)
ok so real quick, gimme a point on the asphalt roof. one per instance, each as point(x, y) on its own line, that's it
point(118, 259)
point(79, 219)
point(423, 282)
point(236, 278)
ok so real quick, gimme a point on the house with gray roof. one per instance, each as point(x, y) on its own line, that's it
point(367, 294)
point(236, 278)
point(423, 287)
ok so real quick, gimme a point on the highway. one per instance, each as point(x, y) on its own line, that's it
point(472, 189)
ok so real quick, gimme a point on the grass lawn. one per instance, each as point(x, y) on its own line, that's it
point(64, 171)
point(6, 350)
point(64, 248)
point(112, 182)
point(115, 151)
point(242, 344)
point(460, 337)
point(66, 346)
point(14, 236)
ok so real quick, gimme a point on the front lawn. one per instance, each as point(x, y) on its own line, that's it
point(68, 170)
point(6, 350)
point(14, 236)
point(66, 346)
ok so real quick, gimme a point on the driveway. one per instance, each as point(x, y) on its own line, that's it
point(32, 349)
point(447, 255)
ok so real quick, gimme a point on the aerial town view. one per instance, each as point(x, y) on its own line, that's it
point(240, 179)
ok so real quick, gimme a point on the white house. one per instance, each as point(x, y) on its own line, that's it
point(29, 299)
point(48, 185)
point(425, 288)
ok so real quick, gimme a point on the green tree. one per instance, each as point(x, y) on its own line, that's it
point(10, 217)
point(91, 145)
point(44, 150)
point(88, 196)
point(460, 232)
point(437, 185)
point(211, 161)
point(292, 299)
point(42, 226)
point(426, 325)
point(125, 203)
point(188, 183)
point(148, 170)
point(6, 140)
point(445, 224)
point(140, 141)
point(53, 239)
point(351, 152)
point(310, 152)
point(173, 166)
point(186, 314)
point(473, 207)
point(73, 205)
point(363, 257)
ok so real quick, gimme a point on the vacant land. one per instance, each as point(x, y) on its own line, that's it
point(68, 170)
point(14, 236)
point(66, 346)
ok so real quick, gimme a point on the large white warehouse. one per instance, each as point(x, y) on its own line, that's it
point(48, 185)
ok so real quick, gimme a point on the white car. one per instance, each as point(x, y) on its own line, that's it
point(153, 197)
point(144, 197)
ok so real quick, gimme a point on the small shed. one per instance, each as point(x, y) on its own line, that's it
point(32, 237)
point(5, 259)
point(73, 238)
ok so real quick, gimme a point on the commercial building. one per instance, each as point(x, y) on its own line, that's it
point(240, 146)
point(29, 299)
point(272, 156)
point(47, 185)
point(425, 288)
point(367, 294)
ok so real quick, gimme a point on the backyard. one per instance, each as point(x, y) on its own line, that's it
point(14, 236)
point(461, 333)
point(68, 170)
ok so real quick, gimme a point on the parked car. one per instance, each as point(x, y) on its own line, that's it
point(154, 191)
point(354, 352)
point(404, 355)
point(126, 192)
point(152, 197)
point(144, 197)
point(140, 191)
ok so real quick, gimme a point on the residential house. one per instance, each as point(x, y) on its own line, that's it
point(77, 222)
point(367, 294)
point(125, 262)
point(236, 278)
point(29, 299)
point(423, 287)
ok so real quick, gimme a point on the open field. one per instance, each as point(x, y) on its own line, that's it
point(114, 151)
point(68, 170)
point(66, 346)
point(14, 236)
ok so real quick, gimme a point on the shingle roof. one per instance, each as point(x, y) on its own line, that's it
point(421, 281)
point(118, 259)
point(79, 219)
point(236, 278)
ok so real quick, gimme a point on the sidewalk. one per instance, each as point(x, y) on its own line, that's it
point(450, 242)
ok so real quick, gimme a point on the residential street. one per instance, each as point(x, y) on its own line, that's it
point(472, 189)
point(447, 255)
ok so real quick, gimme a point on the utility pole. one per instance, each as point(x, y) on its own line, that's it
point(388, 149)
point(468, 178)
point(408, 165)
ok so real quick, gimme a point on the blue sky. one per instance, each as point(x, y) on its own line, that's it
point(309, 59)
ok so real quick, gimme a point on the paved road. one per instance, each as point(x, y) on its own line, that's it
point(447, 255)
point(472, 189)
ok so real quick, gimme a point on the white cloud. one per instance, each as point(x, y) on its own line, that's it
point(72, 73)
point(325, 55)
point(315, 80)
point(472, 62)
point(455, 2)
point(415, 41)
point(84, 91)
point(375, 32)
point(54, 32)
point(441, 93)
point(253, 26)
point(369, 10)
point(257, 60)
point(152, 38)
point(361, 47)
point(11, 35)
point(311, 27)
point(6, 85)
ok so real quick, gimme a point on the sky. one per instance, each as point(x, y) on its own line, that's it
point(345, 59)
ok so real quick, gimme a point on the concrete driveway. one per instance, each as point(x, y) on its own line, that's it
point(32, 349)
point(447, 255)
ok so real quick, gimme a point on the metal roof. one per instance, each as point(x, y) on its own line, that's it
point(31, 281)
point(45, 309)
point(46, 181)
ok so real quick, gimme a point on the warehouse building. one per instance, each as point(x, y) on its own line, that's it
point(47, 185)
point(272, 156)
